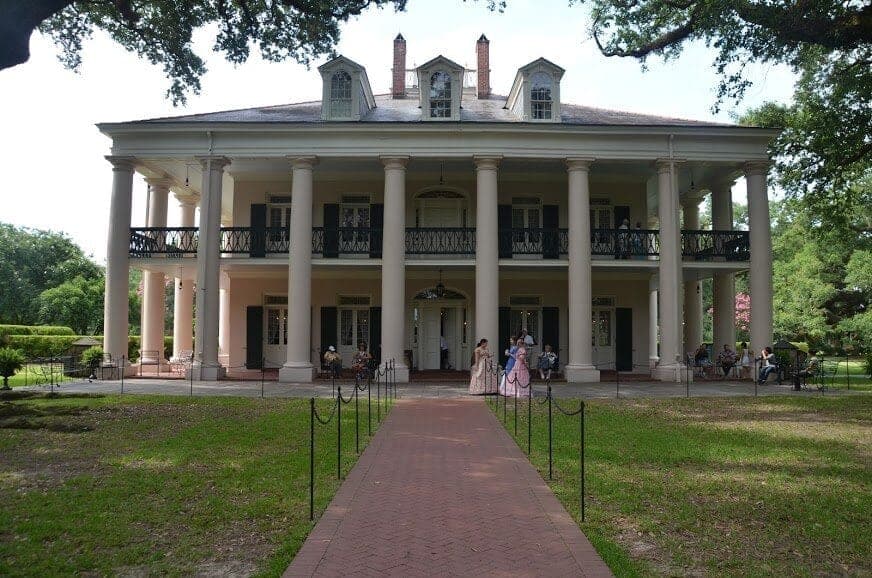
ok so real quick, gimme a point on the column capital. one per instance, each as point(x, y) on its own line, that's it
point(303, 162)
point(394, 161)
point(756, 167)
point(578, 163)
point(121, 163)
point(487, 161)
point(216, 161)
point(159, 182)
point(665, 165)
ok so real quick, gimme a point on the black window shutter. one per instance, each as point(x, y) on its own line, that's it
point(254, 337)
point(329, 316)
point(375, 333)
point(504, 322)
point(331, 230)
point(624, 339)
point(551, 233)
point(551, 329)
point(258, 230)
point(376, 224)
point(504, 223)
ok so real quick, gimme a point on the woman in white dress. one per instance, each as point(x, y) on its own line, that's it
point(745, 357)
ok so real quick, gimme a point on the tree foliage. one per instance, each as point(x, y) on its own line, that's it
point(824, 151)
point(161, 31)
point(77, 303)
point(32, 261)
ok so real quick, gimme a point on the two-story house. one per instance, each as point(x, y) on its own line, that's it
point(426, 219)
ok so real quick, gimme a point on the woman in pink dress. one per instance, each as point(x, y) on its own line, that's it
point(483, 378)
point(518, 379)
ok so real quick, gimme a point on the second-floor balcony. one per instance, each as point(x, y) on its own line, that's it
point(439, 242)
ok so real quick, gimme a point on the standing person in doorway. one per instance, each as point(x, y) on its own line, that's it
point(529, 343)
point(483, 377)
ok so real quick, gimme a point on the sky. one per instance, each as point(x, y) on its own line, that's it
point(52, 156)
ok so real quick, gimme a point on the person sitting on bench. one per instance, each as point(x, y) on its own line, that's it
point(768, 359)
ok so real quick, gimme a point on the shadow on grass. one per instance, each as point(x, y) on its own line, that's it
point(45, 416)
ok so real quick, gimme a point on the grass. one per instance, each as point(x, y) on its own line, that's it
point(844, 374)
point(735, 487)
point(40, 374)
point(161, 485)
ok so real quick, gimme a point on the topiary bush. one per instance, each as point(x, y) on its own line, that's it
point(11, 360)
point(35, 330)
point(92, 356)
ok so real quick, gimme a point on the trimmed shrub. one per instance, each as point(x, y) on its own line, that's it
point(41, 345)
point(11, 360)
point(92, 355)
point(35, 330)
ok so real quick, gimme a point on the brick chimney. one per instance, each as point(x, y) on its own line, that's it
point(399, 70)
point(482, 50)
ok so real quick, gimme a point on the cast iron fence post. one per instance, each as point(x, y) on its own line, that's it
point(356, 422)
point(311, 458)
point(582, 459)
point(368, 404)
point(550, 438)
point(529, 418)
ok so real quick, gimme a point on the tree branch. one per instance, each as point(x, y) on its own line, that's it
point(18, 20)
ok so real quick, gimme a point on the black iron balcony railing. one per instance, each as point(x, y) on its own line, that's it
point(715, 245)
point(177, 242)
point(625, 243)
point(440, 241)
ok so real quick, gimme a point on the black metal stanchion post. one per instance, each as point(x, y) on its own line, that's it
point(378, 397)
point(516, 408)
point(339, 434)
point(550, 438)
point(368, 405)
point(687, 375)
point(505, 404)
point(529, 419)
point(617, 382)
point(312, 458)
point(356, 422)
point(582, 459)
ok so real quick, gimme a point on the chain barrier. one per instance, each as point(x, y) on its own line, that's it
point(338, 400)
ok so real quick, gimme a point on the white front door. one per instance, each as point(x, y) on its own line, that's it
point(430, 340)
point(275, 350)
point(353, 328)
point(604, 338)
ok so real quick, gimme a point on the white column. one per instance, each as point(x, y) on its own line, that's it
point(487, 274)
point(760, 278)
point(580, 366)
point(153, 282)
point(671, 366)
point(393, 298)
point(692, 289)
point(115, 320)
point(183, 304)
point(224, 316)
point(208, 269)
point(298, 367)
point(653, 356)
point(723, 287)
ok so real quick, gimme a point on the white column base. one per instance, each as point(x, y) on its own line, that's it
point(201, 373)
point(401, 373)
point(297, 374)
point(581, 374)
point(652, 362)
point(672, 373)
point(114, 373)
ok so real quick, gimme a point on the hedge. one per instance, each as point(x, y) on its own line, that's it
point(35, 330)
point(54, 345)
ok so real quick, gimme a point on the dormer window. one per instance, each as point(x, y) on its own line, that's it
point(535, 94)
point(440, 95)
point(340, 95)
point(540, 96)
point(346, 94)
point(441, 82)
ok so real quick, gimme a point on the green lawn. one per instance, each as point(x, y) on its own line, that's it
point(39, 374)
point(161, 485)
point(847, 375)
point(737, 487)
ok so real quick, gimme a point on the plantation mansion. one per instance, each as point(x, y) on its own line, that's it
point(421, 221)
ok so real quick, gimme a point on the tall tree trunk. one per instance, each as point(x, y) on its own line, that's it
point(18, 20)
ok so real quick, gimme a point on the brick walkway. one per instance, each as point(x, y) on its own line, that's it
point(443, 490)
